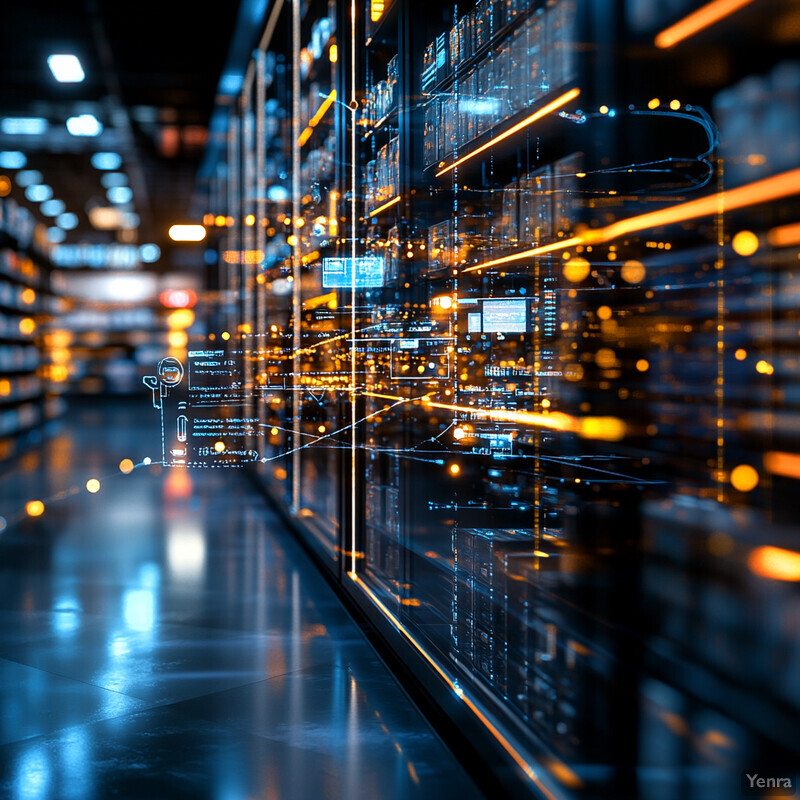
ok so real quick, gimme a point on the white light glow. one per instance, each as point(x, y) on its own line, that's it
point(139, 609)
point(66, 68)
point(186, 551)
point(187, 233)
point(84, 125)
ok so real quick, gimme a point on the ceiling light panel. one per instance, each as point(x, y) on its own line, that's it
point(84, 125)
point(66, 68)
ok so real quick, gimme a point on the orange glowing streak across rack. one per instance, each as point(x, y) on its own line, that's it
point(785, 184)
point(697, 21)
point(317, 118)
point(389, 204)
point(537, 115)
point(785, 235)
point(785, 464)
point(504, 742)
point(610, 429)
point(775, 563)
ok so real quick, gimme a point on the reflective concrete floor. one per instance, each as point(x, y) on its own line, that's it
point(167, 638)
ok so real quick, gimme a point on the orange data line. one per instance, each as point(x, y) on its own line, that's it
point(388, 204)
point(537, 115)
point(697, 21)
point(535, 251)
point(611, 429)
point(785, 235)
point(785, 464)
point(317, 118)
point(521, 762)
point(775, 187)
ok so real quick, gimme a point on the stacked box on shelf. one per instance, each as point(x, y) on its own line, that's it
point(479, 626)
point(532, 59)
point(23, 297)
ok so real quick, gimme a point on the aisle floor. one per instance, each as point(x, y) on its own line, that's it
point(168, 638)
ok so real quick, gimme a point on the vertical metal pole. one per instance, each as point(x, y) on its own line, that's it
point(248, 245)
point(261, 232)
point(296, 276)
point(353, 233)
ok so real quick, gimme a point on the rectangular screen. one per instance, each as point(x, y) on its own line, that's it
point(337, 273)
point(505, 316)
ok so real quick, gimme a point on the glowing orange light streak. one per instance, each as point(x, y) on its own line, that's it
point(697, 21)
point(458, 691)
point(775, 187)
point(609, 429)
point(785, 235)
point(535, 251)
point(537, 115)
point(775, 563)
point(317, 118)
point(326, 104)
point(379, 209)
point(785, 464)
point(304, 136)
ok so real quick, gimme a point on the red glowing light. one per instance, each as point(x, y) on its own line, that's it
point(178, 298)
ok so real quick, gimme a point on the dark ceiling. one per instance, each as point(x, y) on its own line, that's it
point(152, 70)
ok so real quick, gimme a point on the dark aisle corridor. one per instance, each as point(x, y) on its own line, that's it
point(167, 638)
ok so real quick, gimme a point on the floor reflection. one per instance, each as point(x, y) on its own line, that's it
point(166, 638)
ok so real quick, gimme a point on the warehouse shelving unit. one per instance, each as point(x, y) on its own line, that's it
point(30, 383)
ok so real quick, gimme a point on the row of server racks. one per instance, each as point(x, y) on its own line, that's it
point(513, 288)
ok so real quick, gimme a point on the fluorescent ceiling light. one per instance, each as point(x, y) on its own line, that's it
point(38, 192)
point(66, 68)
point(104, 218)
point(84, 125)
point(68, 221)
point(52, 208)
point(187, 233)
point(12, 159)
point(29, 126)
point(106, 161)
point(120, 194)
point(28, 177)
point(114, 179)
point(56, 235)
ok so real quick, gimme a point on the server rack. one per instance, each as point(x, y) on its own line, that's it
point(515, 283)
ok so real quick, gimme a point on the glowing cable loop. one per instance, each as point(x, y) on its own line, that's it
point(697, 21)
point(537, 115)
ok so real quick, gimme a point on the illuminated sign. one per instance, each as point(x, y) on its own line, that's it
point(337, 273)
point(178, 298)
point(99, 256)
